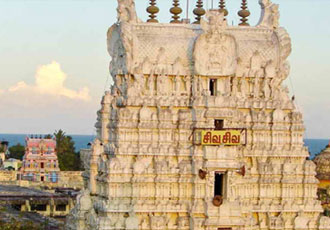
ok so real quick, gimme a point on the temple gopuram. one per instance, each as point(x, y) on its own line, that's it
point(198, 131)
point(40, 160)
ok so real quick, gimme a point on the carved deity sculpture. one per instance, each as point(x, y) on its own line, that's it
point(269, 14)
point(266, 88)
point(256, 65)
point(245, 89)
point(270, 69)
point(234, 86)
point(126, 11)
point(215, 51)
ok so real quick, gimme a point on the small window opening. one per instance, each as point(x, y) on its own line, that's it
point(218, 184)
point(61, 207)
point(42, 165)
point(38, 207)
point(218, 124)
point(42, 178)
point(17, 207)
point(213, 87)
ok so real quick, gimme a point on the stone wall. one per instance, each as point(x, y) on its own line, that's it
point(67, 179)
point(7, 176)
point(72, 179)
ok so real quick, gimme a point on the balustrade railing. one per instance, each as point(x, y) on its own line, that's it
point(199, 11)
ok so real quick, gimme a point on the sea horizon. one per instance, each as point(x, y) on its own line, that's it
point(315, 145)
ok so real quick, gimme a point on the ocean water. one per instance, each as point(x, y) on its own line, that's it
point(315, 146)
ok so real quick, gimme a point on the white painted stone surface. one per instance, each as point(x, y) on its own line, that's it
point(142, 170)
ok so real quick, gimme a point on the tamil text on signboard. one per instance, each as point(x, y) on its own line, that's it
point(221, 137)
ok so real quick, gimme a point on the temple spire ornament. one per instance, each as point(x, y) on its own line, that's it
point(199, 11)
point(152, 10)
point(222, 7)
point(176, 10)
point(244, 13)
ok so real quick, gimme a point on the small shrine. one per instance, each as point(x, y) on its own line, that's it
point(40, 160)
point(322, 161)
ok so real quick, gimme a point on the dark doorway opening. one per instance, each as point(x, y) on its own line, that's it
point(213, 87)
point(61, 207)
point(218, 184)
point(42, 165)
point(218, 124)
point(42, 178)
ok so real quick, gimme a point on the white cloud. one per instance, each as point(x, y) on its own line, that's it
point(50, 80)
point(47, 104)
point(19, 86)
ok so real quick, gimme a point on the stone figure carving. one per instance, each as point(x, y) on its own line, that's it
point(146, 66)
point(138, 85)
point(126, 11)
point(269, 14)
point(187, 83)
point(227, 86)
point(215, 51)
point(256, 65)
point(256, 87)
point(141, 164)
point(242, 68)
point(324, 222)
point(301, 222)
point(178, 68)
point(151, 84)
point(161, 63)
point(266, 88)
point(245, 89)
point(161, 84)
point(132, 222)
point(177, 84)
point(235, 83)
point(270, 69)
point(118, 61)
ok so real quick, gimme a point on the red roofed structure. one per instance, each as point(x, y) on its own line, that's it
point(40, 160)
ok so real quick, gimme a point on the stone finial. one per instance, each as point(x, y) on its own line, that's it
point(199, 11)
point(244, 13)
point(152, 10)
point(176, 10)
point(222, 7)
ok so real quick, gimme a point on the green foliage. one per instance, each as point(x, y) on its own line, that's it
point(19, 225)
point(17, 151)
point(68, 159)
point(2, 149)
point(48, 136)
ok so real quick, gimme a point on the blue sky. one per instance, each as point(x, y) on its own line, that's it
point(54, 62)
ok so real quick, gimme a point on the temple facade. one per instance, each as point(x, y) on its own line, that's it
point(40, 160)
point(198, 131)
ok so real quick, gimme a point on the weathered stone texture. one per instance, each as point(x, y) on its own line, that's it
point(142, 171)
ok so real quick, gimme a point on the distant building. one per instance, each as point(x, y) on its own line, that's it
point(12, 164)
point(3, 151)
point(322, 162)
point(40, 160)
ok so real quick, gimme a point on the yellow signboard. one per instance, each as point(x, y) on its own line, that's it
point(221, 137)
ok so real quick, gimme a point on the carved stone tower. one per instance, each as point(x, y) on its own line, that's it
point(198, 131)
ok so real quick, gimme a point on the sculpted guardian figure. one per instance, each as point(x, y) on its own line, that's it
point(126, 11)
point(269, 14)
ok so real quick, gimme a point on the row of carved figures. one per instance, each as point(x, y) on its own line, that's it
point(162, 85)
